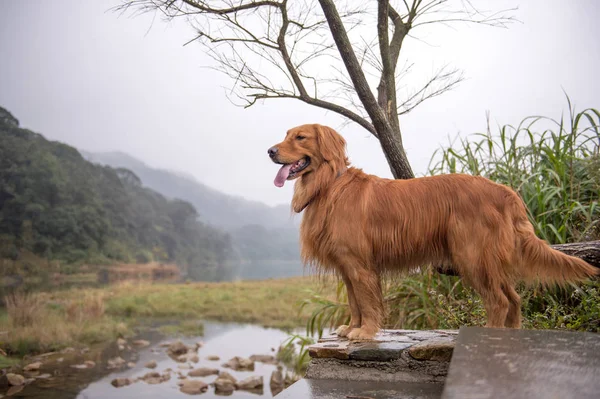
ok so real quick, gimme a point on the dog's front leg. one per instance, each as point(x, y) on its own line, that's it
point(367, 292)
point(355, 318)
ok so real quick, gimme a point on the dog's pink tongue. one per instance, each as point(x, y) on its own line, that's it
point(282, 175)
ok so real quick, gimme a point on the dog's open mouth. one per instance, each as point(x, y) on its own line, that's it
point(290, 171)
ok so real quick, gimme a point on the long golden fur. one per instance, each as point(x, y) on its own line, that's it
point(360, 226)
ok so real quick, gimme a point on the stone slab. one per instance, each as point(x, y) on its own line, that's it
point(335, 389)
point(387, 345)
point(402, 356)
point(508, 363)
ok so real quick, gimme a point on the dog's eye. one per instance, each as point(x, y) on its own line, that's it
point(300, 137)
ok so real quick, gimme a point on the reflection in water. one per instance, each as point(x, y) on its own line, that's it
point(225, 340)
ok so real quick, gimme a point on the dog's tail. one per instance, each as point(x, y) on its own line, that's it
point(543, 264)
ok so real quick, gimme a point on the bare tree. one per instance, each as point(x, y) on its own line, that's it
point(325, 54)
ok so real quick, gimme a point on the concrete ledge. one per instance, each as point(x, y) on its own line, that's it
point(393, 356)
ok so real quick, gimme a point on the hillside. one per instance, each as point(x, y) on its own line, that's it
point(216, 208)
point(60, 207)
point(262, 234)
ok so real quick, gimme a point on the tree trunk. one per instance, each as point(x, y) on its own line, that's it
point(391, 144)
point(588, 251)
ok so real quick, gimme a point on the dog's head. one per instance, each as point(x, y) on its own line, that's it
point(307, 148)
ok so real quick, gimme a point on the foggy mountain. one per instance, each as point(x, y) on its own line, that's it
point(266, 237)
point(216, 208)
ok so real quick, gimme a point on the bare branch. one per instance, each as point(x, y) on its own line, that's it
point(297, 50)
point(444, 80)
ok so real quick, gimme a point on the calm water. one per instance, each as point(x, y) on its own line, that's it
point(225, 340)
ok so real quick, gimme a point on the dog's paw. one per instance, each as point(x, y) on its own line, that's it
point(361, 334)
point(343, 330)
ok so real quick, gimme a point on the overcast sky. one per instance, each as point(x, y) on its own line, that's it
point(77, 73)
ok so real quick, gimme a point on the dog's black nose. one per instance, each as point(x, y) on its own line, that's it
point(272, 151)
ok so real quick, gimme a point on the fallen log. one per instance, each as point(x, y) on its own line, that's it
point(589, 251)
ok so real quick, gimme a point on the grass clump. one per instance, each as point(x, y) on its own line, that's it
point(37, 322)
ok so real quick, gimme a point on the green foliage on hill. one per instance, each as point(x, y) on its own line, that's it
point(57, 205)
point(261, 233)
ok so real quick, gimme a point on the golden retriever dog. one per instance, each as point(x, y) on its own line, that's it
point(359, 226)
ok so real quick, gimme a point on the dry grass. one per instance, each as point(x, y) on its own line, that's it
point(91, 307)
point(23, 309)
point(39, 323)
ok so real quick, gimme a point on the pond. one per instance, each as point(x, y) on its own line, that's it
point(223, 340)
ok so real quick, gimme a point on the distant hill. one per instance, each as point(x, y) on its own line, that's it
point(263, 235)
point(60, 207)
point(216, 208)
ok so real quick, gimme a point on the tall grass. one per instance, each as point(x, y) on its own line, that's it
point(37, 323)
point(23, 309)
point(554, 165)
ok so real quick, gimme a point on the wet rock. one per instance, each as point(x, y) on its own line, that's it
point(151, 364)
point(131, 365)
point(15, 379)
point(434, 349)
point(202, 372)
point(88, 364)
point(140, 343)
point(250, 383)
point(177, 348)
point(182, 358)
point(193, 387)
point(290, 379)
point(224, 386)
point(155, 377)
point(43, 376)
point(115, 362)
point(268, 359)
point(227, 376)
point(33, 366)
point(199, 345)
point(184, 367)
point(165, 344)
point(213, 358)
point(277, 382)
point(239, 364)
point(121, 382)
point(193, 358)
point(337, 350)
point(60, 360)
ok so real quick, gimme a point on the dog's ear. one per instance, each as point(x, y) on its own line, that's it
point(331, 144)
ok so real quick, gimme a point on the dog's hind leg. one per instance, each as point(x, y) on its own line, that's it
point(367, 291)
point(355, 317)
point(494, 300)
point(513, 318)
